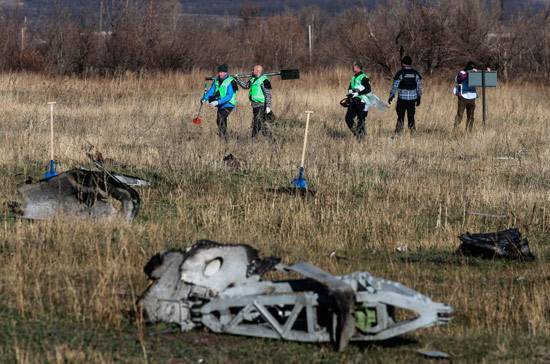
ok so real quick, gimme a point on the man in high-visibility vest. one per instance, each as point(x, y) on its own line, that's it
point(260, 99)
point(223, 95)
point(359, 88)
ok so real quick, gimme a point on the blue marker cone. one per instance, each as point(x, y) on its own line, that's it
point(300, 181)
point(51, 172)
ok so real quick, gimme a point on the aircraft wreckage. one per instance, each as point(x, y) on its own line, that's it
point(218, 286)
point(81, 193)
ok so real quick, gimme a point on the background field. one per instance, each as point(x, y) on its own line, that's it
point(66, 287)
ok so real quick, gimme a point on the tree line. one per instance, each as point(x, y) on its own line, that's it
point(146, 35)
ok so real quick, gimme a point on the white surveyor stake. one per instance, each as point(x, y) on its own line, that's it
point(300, 182)
point(51, 172)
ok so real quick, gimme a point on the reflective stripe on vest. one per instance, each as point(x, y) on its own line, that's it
point(256, 92)
point(222, 89)
point(356, 82)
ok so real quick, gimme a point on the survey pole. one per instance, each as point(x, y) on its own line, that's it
point(23, 34)
point(310, 42)
point(52, 103)
point(51, 172)
point(484, 97)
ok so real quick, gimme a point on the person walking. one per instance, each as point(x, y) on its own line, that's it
point(359, 88)
point(407, 86)
point(223, 95)
point(260, 99)
point(466, 96)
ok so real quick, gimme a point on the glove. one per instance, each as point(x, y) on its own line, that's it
point(354, 94)
point(418, 101)
point(203, 101)
point(390, 99)
point(267, 110)
point(214, 103)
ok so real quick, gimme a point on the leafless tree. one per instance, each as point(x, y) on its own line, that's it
point(154, 35)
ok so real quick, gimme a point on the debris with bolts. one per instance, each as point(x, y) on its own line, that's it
point(218, 286)
point(79, 193)
point(502, 244)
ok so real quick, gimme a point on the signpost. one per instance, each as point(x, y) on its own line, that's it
point(483, 79)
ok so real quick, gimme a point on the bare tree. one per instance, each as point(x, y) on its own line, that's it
point(155, 35)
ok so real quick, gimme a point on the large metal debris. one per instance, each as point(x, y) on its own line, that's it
point(79, 193)
point(502, 244)
point(204, 270)
point(218, 287)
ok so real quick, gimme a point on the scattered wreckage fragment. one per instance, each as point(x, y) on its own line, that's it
point(79, 193)
point(218, 286)
point(502, 244)
point(131, 181)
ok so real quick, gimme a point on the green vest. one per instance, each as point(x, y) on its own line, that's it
point(222, 90)
point(256, 92)
point(356, 82)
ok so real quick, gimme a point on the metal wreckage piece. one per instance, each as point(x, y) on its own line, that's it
point(505, 244)
point(218, 286)
point(81, 193)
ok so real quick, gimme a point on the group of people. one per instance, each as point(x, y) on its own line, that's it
point(406, 89)
point(223, 95)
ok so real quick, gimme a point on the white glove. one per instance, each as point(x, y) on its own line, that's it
point(354, 94)
point(267, 110)
point(203, 101)
point(214, 103)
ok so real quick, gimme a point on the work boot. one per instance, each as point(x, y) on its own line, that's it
point(399, 127)
point(360, 134)
point(458, 121)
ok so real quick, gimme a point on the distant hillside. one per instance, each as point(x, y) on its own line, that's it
point(212, 7)
point(86, 8)
point(267, 7)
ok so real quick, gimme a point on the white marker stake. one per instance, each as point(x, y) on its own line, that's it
point(52, 103)
point(308, 113)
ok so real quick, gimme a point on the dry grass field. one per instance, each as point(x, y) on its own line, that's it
point(66, 287)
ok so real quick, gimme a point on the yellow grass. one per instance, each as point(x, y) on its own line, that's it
point(373, 197)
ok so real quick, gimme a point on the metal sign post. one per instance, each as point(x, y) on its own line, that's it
point(484, 98)
point(483, 79)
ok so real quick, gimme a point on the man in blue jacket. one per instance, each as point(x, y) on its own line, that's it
point(223, 95)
